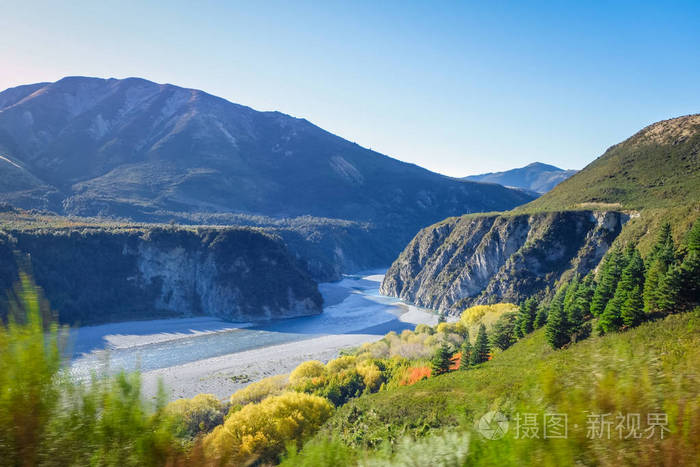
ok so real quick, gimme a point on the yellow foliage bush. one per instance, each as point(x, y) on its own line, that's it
point(197, 415)
point(307, 370)
point(443, 327)
point(255, 392)
point(476, 315)
point(341, 363)
point(259, 432)
point(371, 375)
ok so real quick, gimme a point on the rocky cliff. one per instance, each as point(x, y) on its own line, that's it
point(494, 258)
point(93, 275)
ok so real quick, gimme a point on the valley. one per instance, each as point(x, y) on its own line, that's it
point(205, 355)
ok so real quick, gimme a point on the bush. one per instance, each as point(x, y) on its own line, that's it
point(256, 392)
point(260, 432)
point(197, 415)
point(341, 363)
point(307, 370)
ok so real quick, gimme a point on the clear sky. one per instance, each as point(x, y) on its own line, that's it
point(457, 87)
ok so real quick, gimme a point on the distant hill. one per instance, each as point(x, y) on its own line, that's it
point(657, 167)
point(143, 151)
point(536, 177)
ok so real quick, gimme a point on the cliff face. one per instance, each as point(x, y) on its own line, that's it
point(100, 275)
point(493, 258)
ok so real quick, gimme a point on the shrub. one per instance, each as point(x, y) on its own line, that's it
point(341, 363)
point(307, 370)
point(256, 392)
point(197, 415)
point(259, 432)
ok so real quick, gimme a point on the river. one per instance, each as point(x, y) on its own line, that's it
point(196, 355)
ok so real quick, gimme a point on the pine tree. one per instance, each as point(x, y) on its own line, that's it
point(690, 269)
point(502, 333)
point(610, 273)
point(557, 330)
point(669, 290)
point(694, 237)
point(651, 286)
point(541, 318)
point(570, 295)
point(481, 351)
point(633, 274)
point(526, 317)
point(662, 256)
point(631, 278)
point(632, 310)
point(584, 295)
point(664, 248)
point(441, 361)
point(466, 350)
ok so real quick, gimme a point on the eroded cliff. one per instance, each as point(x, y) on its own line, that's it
point(493, 258)
point(94, 275)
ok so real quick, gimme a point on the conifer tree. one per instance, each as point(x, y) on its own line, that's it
point(664, 249)
point(633, 274)
point(611, 318)
point(557, 330)
point(662, 256)
point(610, 273)
point(441, 361)
point(541, 318)
point(690, 269)
point(651, 286)
point(669, 290)
point(632, 278)
point(526, 317)
point(632, 310)
point(466, 350)
point(584, 295)
point(481, 351)
point(570, 295)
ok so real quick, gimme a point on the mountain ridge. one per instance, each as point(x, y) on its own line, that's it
point(147, 152)
point(536, 177)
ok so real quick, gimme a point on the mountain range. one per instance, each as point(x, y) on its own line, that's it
point(133, 149)
point(536, 177)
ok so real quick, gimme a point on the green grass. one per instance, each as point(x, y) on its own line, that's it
point(652, 368)
point(658, 167)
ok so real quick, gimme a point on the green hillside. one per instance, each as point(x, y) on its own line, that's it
point(654, 368)
point(657, 167)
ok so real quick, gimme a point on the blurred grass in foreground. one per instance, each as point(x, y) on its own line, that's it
point(48, 419)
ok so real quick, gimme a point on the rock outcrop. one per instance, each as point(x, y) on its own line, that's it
point(95, 275)
point(494, 258)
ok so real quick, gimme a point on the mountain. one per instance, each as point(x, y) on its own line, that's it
point(623, 198)
point(536, 177)
point(658, 167)
point(149, 152)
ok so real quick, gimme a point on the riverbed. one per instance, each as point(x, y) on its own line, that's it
point(208, 355)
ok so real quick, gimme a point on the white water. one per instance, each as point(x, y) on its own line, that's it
point(202, 354)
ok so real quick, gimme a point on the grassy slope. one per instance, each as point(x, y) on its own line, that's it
point(655, 175)
point(657, 167)
point(653, 368)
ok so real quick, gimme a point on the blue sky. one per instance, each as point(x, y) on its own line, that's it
point(457, 87)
